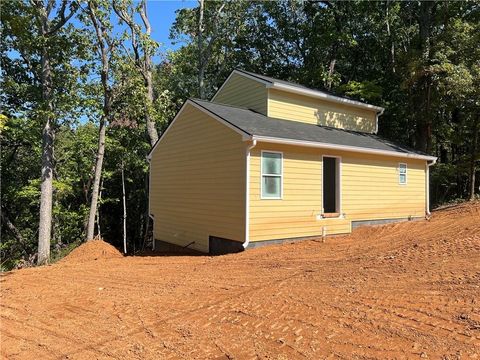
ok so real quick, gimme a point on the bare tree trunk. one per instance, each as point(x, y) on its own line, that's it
point(151, 130)
point(424, 117)
point(473, 157)
point(104, 48)
point(15, 232)
point(48, 136)
point(124, 211)
point(331, 69)
point(201, 60)
point(47, 28)
point(392, 42)
point(96, 181)
point(46, 194)
point(99, 230)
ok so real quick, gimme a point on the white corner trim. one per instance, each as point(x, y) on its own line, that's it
point(201, 108)
point(342, 148)
point(427, 186)
point(247, 193)
point(325, 96)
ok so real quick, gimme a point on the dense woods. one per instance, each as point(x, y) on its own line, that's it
point(86, 92)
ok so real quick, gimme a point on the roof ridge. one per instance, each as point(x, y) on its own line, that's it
point(273, 80)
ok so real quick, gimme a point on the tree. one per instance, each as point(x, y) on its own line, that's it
point(143, 50)
point(105, 46)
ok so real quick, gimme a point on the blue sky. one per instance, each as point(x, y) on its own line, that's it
point(162, 15)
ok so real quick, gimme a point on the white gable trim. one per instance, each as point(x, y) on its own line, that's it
point(342, 148)
point(201, 108)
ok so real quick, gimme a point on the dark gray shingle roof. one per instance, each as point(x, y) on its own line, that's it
point(255, 124)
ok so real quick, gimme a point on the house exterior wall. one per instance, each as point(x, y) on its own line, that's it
point(197, 182)
point(289, 106)
point(369, 191)
point(243, 92)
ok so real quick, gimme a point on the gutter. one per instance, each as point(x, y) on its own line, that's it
point(325, 96)
point(357, 149)
point(247, 193)
point(377, 115)
point(427, 187)
point(149, 159)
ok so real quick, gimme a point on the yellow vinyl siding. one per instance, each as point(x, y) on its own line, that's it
point(285, 105)
point(369, 191)
point(198, 182)
point(243, 92)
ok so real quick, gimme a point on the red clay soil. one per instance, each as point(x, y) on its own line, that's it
point(409, 290)
point(92, 250)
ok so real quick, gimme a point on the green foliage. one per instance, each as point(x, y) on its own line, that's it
point(428, 81)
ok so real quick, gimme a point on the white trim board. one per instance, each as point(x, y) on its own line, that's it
point(342, 148)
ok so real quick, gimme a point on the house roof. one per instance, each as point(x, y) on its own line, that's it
point(300, 89)
point(260, 127)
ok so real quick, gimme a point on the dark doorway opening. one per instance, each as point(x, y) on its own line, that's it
point(330, 185)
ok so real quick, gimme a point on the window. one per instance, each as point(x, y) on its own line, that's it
point(271, 175)
point(402, 174)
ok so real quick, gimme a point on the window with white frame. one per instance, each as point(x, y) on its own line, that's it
point(402, 174)
point(271, 175)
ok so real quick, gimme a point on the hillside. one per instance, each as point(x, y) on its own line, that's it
point(409, 290)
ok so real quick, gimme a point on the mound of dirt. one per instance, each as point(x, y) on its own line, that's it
point(92, 250)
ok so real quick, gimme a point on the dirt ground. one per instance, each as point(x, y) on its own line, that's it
point(399, 291)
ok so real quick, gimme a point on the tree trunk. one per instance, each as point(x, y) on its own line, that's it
point(201, 60)
point(104, 47)
point(392, 42)
point(48, 136)
point(99, 230)
point(151, 129)
point(331, 70)
point(96, 181)
point(124, 211)
point(424, 119)
point(473, 156)
point(15, 232)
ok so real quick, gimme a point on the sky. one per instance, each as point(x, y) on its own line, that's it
point(161, 14)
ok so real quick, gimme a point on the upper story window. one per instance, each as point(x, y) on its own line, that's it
point(402, 173)
point(272, 169)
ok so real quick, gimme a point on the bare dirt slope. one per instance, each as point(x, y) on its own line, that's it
point(409, 290)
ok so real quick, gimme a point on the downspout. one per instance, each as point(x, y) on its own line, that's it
point(427, 186)
point(149, 159)
point(247, 194)
point(378, 114)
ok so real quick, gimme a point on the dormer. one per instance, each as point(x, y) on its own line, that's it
point(289, 101)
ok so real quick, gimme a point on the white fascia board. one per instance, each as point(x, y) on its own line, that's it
point(209, 113)
point(343, 148)
point(266, 83)
point(325, 96)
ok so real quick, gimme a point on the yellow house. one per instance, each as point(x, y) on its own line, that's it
point(267, 160)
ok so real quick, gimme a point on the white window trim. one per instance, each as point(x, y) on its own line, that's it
point(262, 174)
point(338, 196)
point(406, 174)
